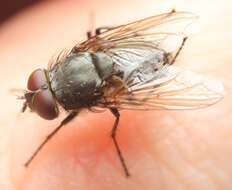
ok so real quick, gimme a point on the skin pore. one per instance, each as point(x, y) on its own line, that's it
point(163, 149)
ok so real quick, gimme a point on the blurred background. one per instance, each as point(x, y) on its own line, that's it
point(11, 7)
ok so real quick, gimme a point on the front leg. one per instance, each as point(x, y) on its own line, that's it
point(116, 113)
point(65, 121)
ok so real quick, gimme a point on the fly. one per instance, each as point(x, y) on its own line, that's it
point(124, 67)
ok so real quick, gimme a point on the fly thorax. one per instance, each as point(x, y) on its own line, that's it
point(75, 82)
point(103, 64)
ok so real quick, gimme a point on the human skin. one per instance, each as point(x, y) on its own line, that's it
point(163, 149)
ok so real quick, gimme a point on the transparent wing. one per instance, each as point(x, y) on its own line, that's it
point(148, 32)
point(173, 89)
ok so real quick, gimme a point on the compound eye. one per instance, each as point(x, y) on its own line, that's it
point(36, 80)
point(44, 105)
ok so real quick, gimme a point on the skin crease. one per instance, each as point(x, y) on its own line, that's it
point(163, 149)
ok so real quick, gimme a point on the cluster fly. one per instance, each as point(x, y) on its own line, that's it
point(123, 67)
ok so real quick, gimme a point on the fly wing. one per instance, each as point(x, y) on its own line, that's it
point(148, 32)
point(172, 89)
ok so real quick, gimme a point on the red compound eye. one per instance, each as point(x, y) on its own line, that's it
point(36, 80)
point(42, 102)
point(44, 105)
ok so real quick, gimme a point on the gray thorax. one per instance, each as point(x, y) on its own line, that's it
point(77, 81)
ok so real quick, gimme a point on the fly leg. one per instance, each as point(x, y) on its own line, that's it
point(102, 29)
point(99, 31)
point(66, 120)
point(116, 113)
point(179, 50)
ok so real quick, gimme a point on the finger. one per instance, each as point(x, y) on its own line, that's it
point(160, 151)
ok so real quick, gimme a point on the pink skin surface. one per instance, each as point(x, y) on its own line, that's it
point(163, 149)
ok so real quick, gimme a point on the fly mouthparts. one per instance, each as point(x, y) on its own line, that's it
point(23, 109)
